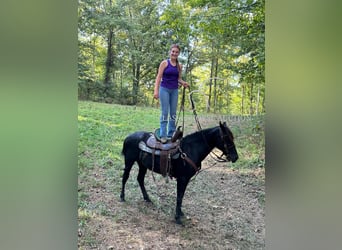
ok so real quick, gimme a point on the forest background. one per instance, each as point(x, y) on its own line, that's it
point(121, 44)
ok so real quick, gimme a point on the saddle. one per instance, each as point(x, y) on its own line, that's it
point(166, 151)
point(154, 143)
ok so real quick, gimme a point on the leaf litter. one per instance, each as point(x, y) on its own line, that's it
point(224, 209)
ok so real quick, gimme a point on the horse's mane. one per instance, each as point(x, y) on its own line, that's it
point(197, 135)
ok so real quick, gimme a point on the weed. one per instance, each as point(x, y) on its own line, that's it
point(84, 215)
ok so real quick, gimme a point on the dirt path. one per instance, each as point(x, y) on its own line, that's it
point(224, 209)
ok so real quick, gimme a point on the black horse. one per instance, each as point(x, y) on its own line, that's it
point(192, 150)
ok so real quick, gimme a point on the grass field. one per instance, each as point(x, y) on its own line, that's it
point(224, 205)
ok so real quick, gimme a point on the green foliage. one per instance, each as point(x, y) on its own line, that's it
point(250, 141)
point(219, 39)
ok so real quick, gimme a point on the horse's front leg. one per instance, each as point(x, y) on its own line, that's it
point(182, 182)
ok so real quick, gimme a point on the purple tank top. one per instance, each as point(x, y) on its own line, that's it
point(170, 76)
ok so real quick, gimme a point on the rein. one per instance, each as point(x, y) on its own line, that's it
point(181, 109)
point(199, 128)
point(217, 158)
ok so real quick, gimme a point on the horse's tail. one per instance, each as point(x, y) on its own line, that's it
point(131, 143)
point(125, 146)
point(123, 151)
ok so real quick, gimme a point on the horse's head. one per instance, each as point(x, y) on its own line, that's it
point(226, 144)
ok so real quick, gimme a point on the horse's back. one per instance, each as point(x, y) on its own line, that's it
point(131, 142)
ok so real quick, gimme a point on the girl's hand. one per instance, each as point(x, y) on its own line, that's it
point(185, 85)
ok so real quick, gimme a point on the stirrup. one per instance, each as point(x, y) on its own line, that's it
point(163, 140)
point(157, 134)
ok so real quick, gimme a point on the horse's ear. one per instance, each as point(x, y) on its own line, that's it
point(221, 124)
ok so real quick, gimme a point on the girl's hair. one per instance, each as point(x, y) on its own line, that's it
point(176, 46)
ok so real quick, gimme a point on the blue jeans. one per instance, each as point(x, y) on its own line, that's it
point(168, 105)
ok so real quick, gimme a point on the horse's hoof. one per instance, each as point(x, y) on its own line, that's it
point(147, 200)
point(122, 199)
point(179, 222)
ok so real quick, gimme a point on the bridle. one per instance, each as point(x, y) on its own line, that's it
point(218, 158)
point(225, 134)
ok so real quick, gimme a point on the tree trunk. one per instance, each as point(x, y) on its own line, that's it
point(258, 101)
point(251, 99)
point(135, 90)
point(215, 85)
point(211, 76)
point(109, 63)
point(242, 99)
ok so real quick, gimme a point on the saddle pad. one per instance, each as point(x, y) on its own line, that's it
point(145, 148)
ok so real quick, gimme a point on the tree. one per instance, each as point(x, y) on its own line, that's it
point(121, 44)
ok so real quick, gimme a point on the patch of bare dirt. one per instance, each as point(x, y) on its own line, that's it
point(224, 209)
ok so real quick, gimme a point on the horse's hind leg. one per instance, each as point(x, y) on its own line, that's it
point(128, 167)
point(141, 178)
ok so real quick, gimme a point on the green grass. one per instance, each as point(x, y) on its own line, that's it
point(103, 127)
point(102, 130)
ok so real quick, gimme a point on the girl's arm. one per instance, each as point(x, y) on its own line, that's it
point(161, 69)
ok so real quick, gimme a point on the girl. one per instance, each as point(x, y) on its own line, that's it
point(166, 89)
